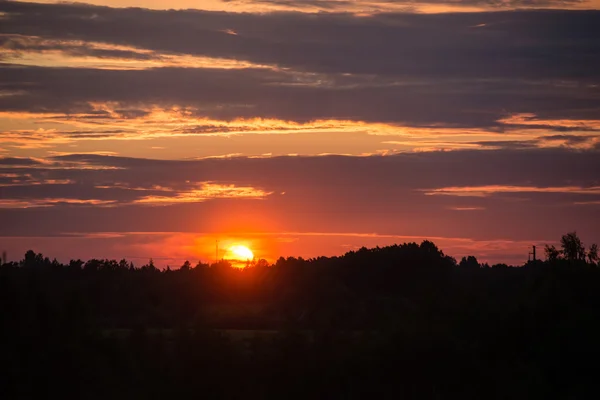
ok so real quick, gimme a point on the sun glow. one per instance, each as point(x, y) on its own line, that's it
point(241, 253)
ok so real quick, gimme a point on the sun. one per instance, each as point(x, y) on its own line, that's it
point(241, 252)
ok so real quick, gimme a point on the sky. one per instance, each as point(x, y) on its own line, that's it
point(152, 129)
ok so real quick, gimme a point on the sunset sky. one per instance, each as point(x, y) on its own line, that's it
point(297, 128)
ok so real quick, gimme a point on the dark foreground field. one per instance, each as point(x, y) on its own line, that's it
point(403, 321)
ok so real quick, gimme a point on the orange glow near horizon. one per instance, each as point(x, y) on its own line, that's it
point(364, 8)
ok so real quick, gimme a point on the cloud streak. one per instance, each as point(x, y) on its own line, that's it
point(483, 191)
point(206, 191)
point(338, 43)
point(360, 7)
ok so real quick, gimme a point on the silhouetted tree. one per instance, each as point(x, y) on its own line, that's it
point(572, 248)
point(593, 254)
point(261, 263)
point(123, 265)
point(469, 262)
point(33, 260)
point(92, 265)
point(552, 253)
point(430, 248)
point(149, 267)
point(75, 265)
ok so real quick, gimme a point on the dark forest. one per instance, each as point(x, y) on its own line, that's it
point(400, 321)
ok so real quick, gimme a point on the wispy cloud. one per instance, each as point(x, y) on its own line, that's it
point(483, 191)
point(358, 7)
point(532, 120)
point(205, 191)
point(51, 202)
point(120, 122)
point(43, 52)
point(467, 208)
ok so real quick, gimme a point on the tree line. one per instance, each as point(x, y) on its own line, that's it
point(404, 320)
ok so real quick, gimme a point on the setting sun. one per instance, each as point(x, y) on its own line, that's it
point(241, 252)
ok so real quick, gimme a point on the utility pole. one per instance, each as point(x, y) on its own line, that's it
point(531, 254)
point(216, 251)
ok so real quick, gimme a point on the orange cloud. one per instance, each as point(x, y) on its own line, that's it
point(206, 191)
point(484, 191)
point(20, 180)
point(364, 8)
point(113, 121)
point(466, 208)
point(50, 202)
point(529, 119)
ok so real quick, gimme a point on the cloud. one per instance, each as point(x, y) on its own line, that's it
point(116, 129)
point(380, 194)
point(51, 202)
point(483, 191)
point(532, 121)
point(205, 191)
point(17, 162)
point(521, 45)
point(218, 94)
point(37, 51)
point(516, 71)
point(7, 179)
point(466, 208)
point(359, 7)
point(407, 5)
point(494, 167)
point(27, 194)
